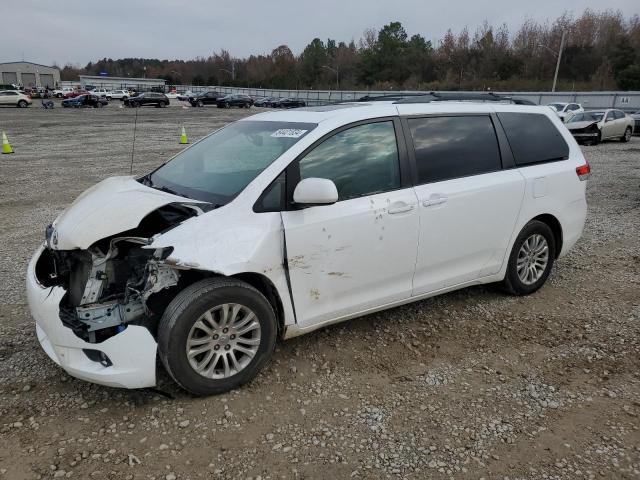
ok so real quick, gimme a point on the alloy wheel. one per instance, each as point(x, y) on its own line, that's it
point(223, 341)
point(533, 258)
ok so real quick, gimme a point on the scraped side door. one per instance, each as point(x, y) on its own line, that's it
point(360, 252)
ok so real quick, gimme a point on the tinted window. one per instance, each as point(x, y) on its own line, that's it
point(362, 160)
point(533, 138)
point(618, 114)
point(452, 147)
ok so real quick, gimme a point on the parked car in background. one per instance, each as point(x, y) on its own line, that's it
point(290, 103)
point(285, 222)
point(60, 93)
point(594, 126)
point(240, 101)
point(185, 96)
point(118, 95)
point(147, 98)
point(267, 101)
point(87, 100)
point(260, 101)
point(205, 98)
point(75, 93)
point(636, 119)
point(565, 110)
point(14, 98)
point(99, 92)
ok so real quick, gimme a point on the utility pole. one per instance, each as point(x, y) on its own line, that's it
point(555, 76)
point(337, 72)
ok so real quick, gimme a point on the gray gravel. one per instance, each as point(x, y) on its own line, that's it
point(472, 384)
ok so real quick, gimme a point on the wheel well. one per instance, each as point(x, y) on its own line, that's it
point(264, 286)
point(555, 227)
point(256, 280)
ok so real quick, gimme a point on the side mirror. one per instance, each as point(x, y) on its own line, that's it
point(608, 119)
point(315, 191)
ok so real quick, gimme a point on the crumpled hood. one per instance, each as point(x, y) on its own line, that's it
point(578, 125)
point(112, 206)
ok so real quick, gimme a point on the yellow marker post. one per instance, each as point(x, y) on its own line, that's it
point(183, 137)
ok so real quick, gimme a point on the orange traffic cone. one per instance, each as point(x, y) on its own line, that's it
point(6, 146)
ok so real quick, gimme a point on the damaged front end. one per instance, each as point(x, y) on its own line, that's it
point(116, 281)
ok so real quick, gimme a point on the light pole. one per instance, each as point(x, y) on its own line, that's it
point(559, 57)
point(337, 72)
point(231, 72)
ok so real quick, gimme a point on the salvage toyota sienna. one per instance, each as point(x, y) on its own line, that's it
point(285, 222)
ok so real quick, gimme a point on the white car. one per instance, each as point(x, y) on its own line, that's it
point(565, 110)
point(63, 91)
point(118, 94)
point(99, 92)
point(597, 125)
point(285, 222)
point(15, 98)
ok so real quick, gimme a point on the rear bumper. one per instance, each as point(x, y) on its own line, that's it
point(573, 220)
point(132, 352)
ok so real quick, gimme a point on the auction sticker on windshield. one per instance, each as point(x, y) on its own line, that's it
point(288, 133)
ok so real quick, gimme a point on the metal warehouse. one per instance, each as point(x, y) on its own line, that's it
point(115, 83)
point(29, 74)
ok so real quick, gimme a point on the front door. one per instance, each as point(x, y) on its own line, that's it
point(360, 252)
point(468, 205)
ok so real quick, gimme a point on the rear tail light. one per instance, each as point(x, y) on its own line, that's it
point(583, 171)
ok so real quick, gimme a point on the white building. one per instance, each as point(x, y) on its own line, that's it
point(119, 83)
point(29, 74)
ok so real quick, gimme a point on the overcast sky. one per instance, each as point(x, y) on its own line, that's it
point(81, 31)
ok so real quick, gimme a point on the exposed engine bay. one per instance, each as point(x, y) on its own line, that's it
point(114, 282)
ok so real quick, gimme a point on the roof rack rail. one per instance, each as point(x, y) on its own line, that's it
point(445, 96)
point(388, 97)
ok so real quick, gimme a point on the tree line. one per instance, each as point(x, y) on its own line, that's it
point(601, 52)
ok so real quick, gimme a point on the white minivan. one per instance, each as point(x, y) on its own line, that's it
point(284, 222)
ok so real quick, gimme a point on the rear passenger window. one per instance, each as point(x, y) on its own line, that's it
point(533, 138)
point(452, 147)
point(361, 160)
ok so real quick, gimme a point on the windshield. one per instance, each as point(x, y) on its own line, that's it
point(220, 166)
point(587, 117)
point(557, 106)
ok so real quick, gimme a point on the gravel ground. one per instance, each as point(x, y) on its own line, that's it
point(472, 384)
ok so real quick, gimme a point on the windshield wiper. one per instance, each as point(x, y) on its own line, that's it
point(166, 189)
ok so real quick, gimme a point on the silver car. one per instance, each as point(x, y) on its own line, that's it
point(597, 125)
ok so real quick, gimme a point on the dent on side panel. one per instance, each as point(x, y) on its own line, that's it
point(229, 243)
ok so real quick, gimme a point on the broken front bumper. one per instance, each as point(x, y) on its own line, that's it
point(131, 353)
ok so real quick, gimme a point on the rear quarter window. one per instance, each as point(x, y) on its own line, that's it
point(533, 138)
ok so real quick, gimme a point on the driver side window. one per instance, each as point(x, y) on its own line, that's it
point(361, 160)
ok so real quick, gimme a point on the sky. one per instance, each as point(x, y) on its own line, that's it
point(69, 31)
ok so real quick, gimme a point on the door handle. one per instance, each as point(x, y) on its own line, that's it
point(400, 208)
point(434, 199)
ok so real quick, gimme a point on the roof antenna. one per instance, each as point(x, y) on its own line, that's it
point(133, 144)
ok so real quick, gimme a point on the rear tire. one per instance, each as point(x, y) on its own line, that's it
point(534, 252)
point(627, 135)
point(188, 310)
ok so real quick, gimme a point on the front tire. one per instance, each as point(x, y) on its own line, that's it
point(216, 335)
point(22, 104)
point(627, 135)
point(531, 259)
